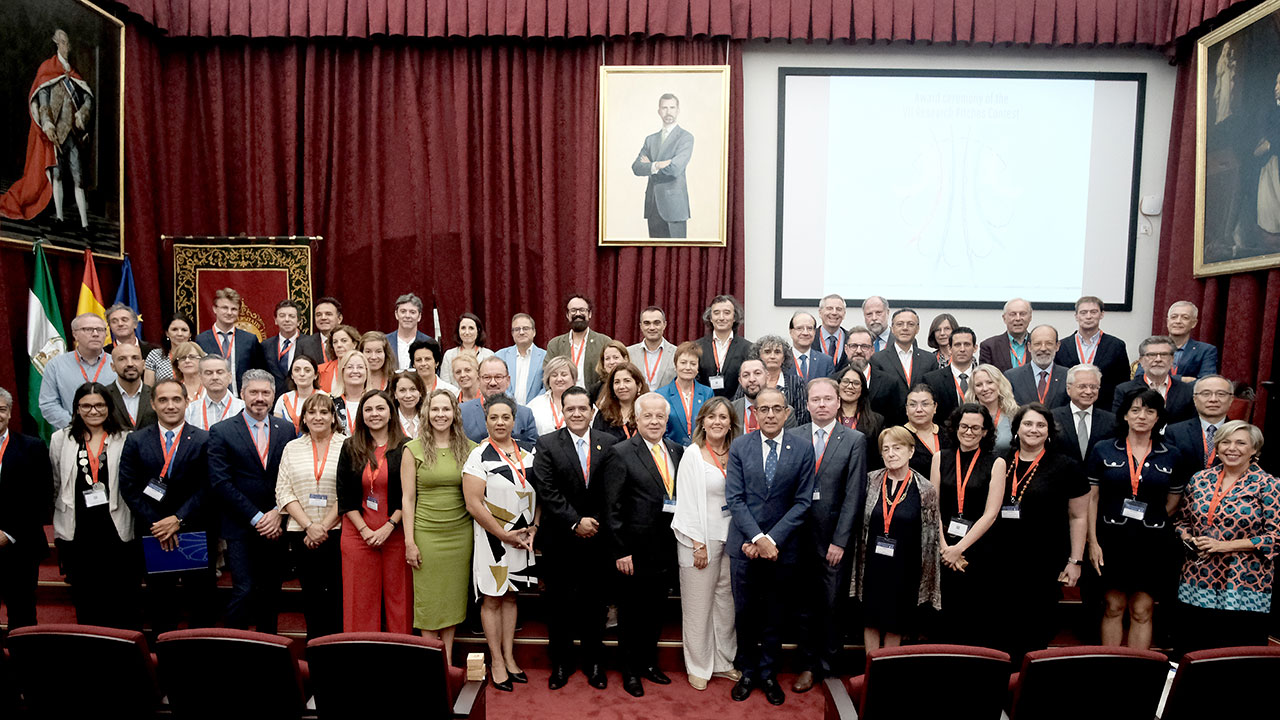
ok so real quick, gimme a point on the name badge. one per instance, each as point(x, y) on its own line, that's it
point(1134, 510)
point(371, 502)
point(668, 505)
point(958, 527)
point(886, 546)
point(817, 495)
point(717, 382)
point(318, 500)
point(94, 498)
point(1011, 512)
point(155, 490)
point(724, 511)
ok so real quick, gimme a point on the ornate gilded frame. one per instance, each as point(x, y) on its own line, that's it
point(192, 254)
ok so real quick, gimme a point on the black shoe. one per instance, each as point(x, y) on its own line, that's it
point(742, 690)
point(773, 691)
point(597, 678)
point(633, 686)
point(504, 686)
point(559, 678)
point(519, 677)
point(654, 675)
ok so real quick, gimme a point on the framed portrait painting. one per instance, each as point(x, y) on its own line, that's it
point(62, 126)
point(1238, 145)
point(664, 155)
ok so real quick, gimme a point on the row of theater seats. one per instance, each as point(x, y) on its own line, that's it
point(1081, 683)
point(79, 671)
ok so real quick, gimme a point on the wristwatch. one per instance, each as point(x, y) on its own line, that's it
point(1073, 561)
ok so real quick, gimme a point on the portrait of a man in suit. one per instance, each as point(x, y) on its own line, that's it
point(663, 158)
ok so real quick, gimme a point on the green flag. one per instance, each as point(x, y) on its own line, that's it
point(44, 340)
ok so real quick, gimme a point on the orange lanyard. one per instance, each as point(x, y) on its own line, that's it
point(351, 416)
point(291, 409)
point(888, 509)
point(937, 443)
point(95, 459)
point(556, 416)
point(907, 368)
point(1013, 354)
point(715, 350)
point(687, 404)
point(102, 362)
point(576, 351)
point(1013, 488)
point(586, 471)
point(231, 343)
point(3, 446)
point(263, 451)
point(317, 462)
point(283, 351)
point(627, 431)
point(168, 456)
point(204, 408)
point(1080, 348)
point(651, 374)
point(1210, 452)
point(1218, 493)
point(959, 390)
point(1135, 466)
point(716, 459)
point(817, 465)
point(1045, 394)
point(1168, 383)
point(839, 336)
point(517, 469)
point(962, 486)
point(660, 460)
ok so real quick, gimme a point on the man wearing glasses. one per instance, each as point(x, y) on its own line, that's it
point(859, 346)
point(1194, 438)
point(69, 370)
point(524, 359)
point(1156, 356)
point(494, 380)
point(1081, 423)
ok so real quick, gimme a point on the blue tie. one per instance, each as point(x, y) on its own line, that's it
point(876, 342)
point(770, 463)
point(804, 364)
point(168, 441)
point(582, 454)
point(820, 443)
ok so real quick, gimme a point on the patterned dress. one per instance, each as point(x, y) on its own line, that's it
point(498, 568)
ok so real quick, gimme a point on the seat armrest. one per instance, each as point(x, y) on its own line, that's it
point(470, 699)
point(839, 706)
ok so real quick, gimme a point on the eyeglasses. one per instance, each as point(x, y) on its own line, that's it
point(1082, 386)
point(804, 328)
point(92, 330)
point(962, 427)
point(192, 356)
point(858, 346)
point(850, 383)
point(920, 405)
point(1216, 394)
point(522, 329)
point(1157, 355)
point(493, 378)
point(771, 409)
point(93, 408)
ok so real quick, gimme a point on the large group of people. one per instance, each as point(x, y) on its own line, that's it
point(947, 493)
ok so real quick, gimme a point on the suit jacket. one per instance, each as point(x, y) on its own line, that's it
point(537, 356)
point(820, 347)
point(307, 345)
point(564, 494)
point(146, 413)
point(889, 386)
point(665, 372)
point(667, 188)
point(1023, 380)
point(186, 484)
point(740, 407)
point(560, 346)
point(839, 487)
point(820, 364)
point(1179, 403)
point(778, 511)
point(943, 382)
point(237, 478)
point(1197, 360)
point(350, 482)
point(394, 341)
point(677, 422)
point(634, 496)
point(996, 350)
point(145, 348)
point(248, 353)
point(63, 455)
point(26, 481)
point(1101, 426)
point(473, 422)
point(729, 364)
point(1188, 437)
point(1111, 357)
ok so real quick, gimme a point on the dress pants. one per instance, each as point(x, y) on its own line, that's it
point(641, 598)
point(374, 580)
point(760, 592)
point(821, 609)
point(706, 609)
point(19, 574)
point(257, 570)
point(320, 573)
point(575, 572)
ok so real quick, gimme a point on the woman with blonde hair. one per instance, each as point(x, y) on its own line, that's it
point(352, 378)
point(465, 371)
point(558, 375)
point(989, 388)
point(186, 369)
point(382, 359)
point(342, 340)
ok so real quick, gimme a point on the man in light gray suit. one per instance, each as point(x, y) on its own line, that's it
point(1041, 379)
point(663, 158)
point(654, 355)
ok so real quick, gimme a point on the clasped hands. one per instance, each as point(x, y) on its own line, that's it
point(763, 549)
point(954, 558)
point(165, 531)
point(519, 538)
point(376, 538)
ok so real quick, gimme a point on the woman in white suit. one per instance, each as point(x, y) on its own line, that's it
point(92, 524)
point(701, 525)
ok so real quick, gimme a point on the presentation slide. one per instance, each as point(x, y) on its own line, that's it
point(957, 190)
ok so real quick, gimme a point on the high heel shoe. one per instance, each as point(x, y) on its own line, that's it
point(519, 677)
point(505, 685)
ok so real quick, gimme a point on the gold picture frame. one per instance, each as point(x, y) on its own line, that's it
point(684, 187)
point(193, 256)
point(97, 55)
point(1237, 217)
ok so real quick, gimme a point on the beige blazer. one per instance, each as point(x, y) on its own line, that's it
point(62, 454)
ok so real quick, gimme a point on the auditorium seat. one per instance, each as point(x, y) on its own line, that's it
point(65, 670)
point(956, 682)
point(344, 666)
point(1234, 682)
point(224, 673)
point(1112, 683)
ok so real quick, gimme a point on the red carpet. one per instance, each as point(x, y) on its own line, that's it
point(677, 700)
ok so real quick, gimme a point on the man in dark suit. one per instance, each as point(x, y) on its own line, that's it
point(640, 501)
point(1156, 354)
point(1081, 422)
point(875, 316)
point(1212, 395)
point(810, 361)
point(769, 488)
point(1192, 359)
point(409, 310)
point(244, 461)
point(494, 380)
point(239, 347)
point(752, 379)
point(950, 383)
point(1088, 344)
point(581, 345)
point(722, 349)
point(1008, 349)
point(571, 467)
point(831, 333)
point(1041, 379)
point(123, 323)
point(163, 478)
point(897, 368)
point(25, 482)
point(326, 315)
point(859, 347)
point(663, 159)
point(128, 394)
point(280, 349)
point(839, 486)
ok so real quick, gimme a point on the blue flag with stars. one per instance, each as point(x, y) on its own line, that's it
point(128, 294)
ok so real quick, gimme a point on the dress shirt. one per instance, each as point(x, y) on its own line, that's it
point(823, 334)
point(721, 348)
point(260, 432)
point(63, 375)
point(582, 357)
point(130, 401)
point(1038, 372)
point(216, 411)
point(1018, 350)
point(523, 361)
point(955, 372)
point(764, 456)
point(905, 357)
point(662, 139)
point(652, 358)
point(3, 437)
point(408, 424)
point(1088, 347)
point(1161, 387)
point(225, 342)
point(881, 341)
point(808, 355)
point(671, 468)
point(578, 446)
point(1204, 427)
point(1088, 416)
point(293, 347)
point(826, 439)
point(402, 349)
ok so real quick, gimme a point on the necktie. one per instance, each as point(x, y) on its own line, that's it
point(964, 382)
point(770, 463)
point(1043, 384)
point(257, 436)
point(284, 349)
point(804, 364)
point(1208, 433)
point(751, 419)
point(168, 441)
point(831, 346)
point(582, 455)
point(876, 343)
point(226, 339)
point(660, 459)
point(1082, 433)
point(819, 443)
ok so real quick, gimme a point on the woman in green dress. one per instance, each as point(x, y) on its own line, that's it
point(439, 548)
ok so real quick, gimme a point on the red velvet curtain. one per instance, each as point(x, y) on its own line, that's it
point(1238, 313)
